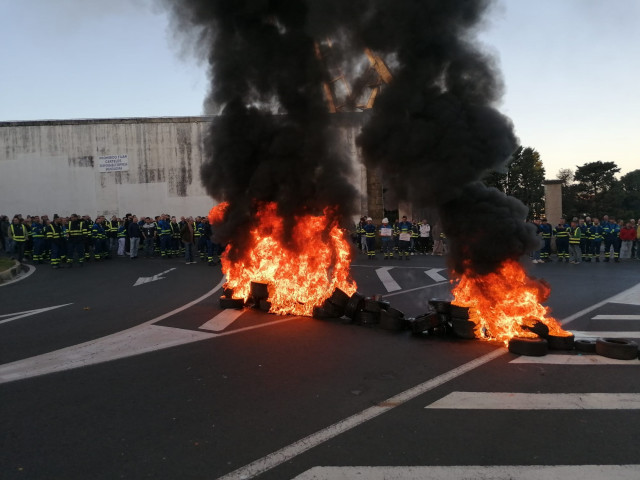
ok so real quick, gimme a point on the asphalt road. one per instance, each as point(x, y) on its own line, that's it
point(130, 378)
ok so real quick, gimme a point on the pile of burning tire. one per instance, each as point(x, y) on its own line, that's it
point(441, 318)
point(617, 348)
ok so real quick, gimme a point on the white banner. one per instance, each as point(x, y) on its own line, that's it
point(113, 163)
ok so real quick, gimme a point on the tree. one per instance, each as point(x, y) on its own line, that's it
point(566, 175)
point(630, 184)
point(594, 180)
point(524, 179)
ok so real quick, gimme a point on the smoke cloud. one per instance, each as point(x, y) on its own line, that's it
point(433, 133)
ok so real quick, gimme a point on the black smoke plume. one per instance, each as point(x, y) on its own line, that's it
point(434, 131)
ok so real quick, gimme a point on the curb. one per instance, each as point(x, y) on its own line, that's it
point(11, 273)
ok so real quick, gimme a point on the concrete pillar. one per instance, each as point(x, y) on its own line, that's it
point(553, 201)
point(375, 206)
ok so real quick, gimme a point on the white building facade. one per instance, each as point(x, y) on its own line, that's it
point(145, 166)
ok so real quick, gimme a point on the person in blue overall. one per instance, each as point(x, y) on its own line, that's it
point(404, 237)
point(370, 237)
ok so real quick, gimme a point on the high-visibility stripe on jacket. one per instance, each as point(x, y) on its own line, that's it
point(16, 237)
point(574, 239)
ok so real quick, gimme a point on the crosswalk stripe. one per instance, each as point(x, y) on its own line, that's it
point(222, 320)
point(537, 401)
point(387, 280)
point(630, 296)
point(601, 334)
point(493, 472)
point(557, 359)
point(616, 317)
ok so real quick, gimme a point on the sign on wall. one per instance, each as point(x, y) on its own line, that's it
point(113, 163)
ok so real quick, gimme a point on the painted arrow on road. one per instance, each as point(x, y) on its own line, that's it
point(435, 276)
point(143, 280)
point(27, 313)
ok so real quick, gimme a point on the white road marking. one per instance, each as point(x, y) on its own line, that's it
point(285, 454)
point(435, 276)
point(143, 280)
point(387, 280)
point(616, 317)
point(601, 334)
point(20, 276)
point(630, 296)
point(133, 341)
point(414, 289)
point(27, 313)
point(141, 339)
point(493, 472)
point(537, 401)
point(557, 359)
point(222, 320)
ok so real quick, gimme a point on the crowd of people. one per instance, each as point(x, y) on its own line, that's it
point(588, 240)
point(401, 239)
point(580, 240)
point(63, 241)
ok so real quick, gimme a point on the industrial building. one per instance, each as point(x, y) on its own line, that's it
point(113, 166)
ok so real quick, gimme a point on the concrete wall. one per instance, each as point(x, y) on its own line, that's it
point(49, 167)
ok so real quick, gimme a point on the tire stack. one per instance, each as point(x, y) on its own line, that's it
point(259, 296)
point(428, 323)
point(226, 300)
point(360, 310)
point(460, 323)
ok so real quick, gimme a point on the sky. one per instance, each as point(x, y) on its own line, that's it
point(571, 70)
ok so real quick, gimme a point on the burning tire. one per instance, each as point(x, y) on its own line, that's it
point(531, 347)
point(463, 328)
point(264, 305)
point(333, 310)
point(259, 291)
point(585, 346)
point(354, 305)
point(339, 298)
point(441, 305)
point(539, 329)
point(561, 343)
point(424, 322)
point(231, 302)
point(456, 311)
point(617, 348)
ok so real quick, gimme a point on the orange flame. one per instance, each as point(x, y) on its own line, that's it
point(300, 276)
point(502, 304)
point(216, 214)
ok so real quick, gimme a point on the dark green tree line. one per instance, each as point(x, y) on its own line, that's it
point(592, 189)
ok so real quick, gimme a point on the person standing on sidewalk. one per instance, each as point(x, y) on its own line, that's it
point(18, 235)
point(187, 237)
point(133, 230)
point(575, 234)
